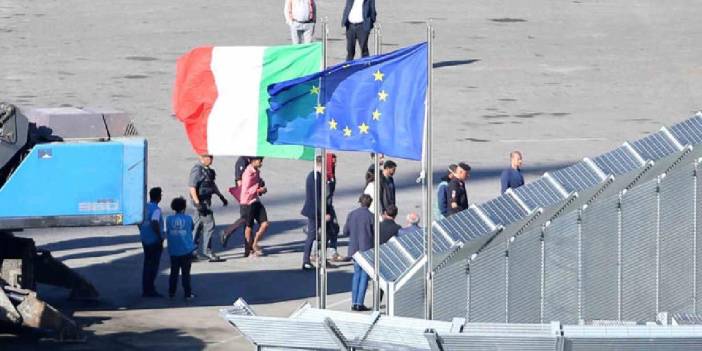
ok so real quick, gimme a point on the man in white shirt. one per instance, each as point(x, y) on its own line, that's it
point(300, 15)
point(358, 18)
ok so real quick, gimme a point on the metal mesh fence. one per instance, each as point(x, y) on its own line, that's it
point(487, 285)
point(409, 300)
point(452, 280)
point(639, 250)
point(600, 254)
point(561, 248)
point(677, 240)
point(524, 294)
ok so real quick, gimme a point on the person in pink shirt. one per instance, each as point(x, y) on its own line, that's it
point(251, 207)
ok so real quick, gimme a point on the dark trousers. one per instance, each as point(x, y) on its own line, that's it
point(152, 258)
point(312, 224)
point(180, 264)
point(354, 33)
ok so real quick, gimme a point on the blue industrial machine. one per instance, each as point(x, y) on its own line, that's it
point(61, 167)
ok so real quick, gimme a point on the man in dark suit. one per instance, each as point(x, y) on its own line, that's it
point(358, 18)
point(359, 229)
point(312, 210)
point(388, 227)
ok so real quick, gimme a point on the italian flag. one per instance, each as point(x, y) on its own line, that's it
point(221, 96)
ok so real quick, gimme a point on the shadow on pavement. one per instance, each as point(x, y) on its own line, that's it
point(163, 339)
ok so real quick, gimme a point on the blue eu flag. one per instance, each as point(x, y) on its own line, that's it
point(374, 103)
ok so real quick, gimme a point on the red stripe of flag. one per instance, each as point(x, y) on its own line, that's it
point(194, 94)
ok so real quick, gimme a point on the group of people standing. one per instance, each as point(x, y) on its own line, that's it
point(358, 19)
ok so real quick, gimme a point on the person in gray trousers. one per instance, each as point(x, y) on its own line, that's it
point(202, 187)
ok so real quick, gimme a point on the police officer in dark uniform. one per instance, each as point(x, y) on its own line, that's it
point(458, 197)
point(202, 187)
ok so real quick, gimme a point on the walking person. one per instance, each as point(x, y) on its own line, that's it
point(441, 206)
point(252, 209)
point(512, 178)
point(387, 185)
point(179, 233)
point(458, 197)
point(239, 167)
point(300, 16)
point(312, 210)
point(359, 228)
point(202, 187)
point(358, 19)
point(151, 233)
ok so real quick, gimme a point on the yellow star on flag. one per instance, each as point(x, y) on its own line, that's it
point(378, 75)
point(376, 115)
point(332, 124)
point(363, 128)
point(382, 95)
point(347, 131)
point(319, 109)
point(314, 90)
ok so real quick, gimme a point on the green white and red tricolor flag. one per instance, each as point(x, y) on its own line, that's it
point(221, 96)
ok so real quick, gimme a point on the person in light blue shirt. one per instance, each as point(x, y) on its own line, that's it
point(179, 233)
point(151, 233)
point(512, 178)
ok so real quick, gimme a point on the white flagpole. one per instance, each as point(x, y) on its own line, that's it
point(376, 205)
point(429, 181)
point(322, 242)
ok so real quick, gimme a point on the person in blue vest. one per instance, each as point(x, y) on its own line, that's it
point(179, 233)
point(511, 177)
point(359, 229)
point(151, 233)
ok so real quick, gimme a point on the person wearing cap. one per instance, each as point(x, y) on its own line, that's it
point(412, 224)
point(457, 195)
point(202, 186)
point(512, 178)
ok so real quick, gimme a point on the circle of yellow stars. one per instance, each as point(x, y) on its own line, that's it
point(363, 128)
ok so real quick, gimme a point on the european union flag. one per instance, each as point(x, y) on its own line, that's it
point(374, 103)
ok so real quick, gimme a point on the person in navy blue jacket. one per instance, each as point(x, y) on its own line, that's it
point(511, 177)
point(358, 18)
point(359, 229)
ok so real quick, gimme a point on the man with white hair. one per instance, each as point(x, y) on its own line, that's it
point(413, 224)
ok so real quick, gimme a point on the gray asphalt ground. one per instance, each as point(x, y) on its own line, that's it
point(559, 80)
